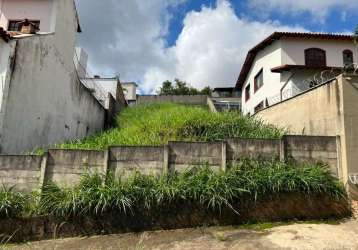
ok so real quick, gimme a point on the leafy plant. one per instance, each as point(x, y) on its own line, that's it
point(12, 203)
point(246, 181)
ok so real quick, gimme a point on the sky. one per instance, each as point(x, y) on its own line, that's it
point(202, 42)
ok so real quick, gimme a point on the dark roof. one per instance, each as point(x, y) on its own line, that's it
point(288, 67)
point(277, 36)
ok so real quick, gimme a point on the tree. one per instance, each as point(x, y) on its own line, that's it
point(181, 88)
point(167, 88)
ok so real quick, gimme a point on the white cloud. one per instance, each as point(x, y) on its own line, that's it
point(129, 37)
point(211, 48)
point(125, 36)
point(319, 9)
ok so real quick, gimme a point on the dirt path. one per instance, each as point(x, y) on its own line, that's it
point(295, 236)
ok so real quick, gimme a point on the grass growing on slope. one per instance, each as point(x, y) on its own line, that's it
point(156, 124)
point(248, 180)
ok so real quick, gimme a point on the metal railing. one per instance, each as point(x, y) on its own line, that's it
point(312, 82)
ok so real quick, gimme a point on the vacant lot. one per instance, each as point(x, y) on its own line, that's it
point(156, 124)
point(296, 236)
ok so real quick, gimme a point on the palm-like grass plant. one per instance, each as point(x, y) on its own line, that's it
point(247, 181)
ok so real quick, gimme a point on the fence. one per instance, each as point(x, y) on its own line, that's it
point(65, 167)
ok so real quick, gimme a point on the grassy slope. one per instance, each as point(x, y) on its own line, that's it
point(156, 124)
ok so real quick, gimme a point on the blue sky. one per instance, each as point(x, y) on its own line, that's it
point(339, 20)
point(203, 42)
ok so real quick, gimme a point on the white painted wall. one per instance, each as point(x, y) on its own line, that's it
point(81, 59)
point(265, 59)
point(101, 87)
point(290, 51)
point(43, 10)
point(293, 50)
point(46, 103)
point(130, 90)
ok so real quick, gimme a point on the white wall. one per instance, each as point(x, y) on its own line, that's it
point(46, 103)
point(130, 90)
point(101, 87)
point(81, 59)
point(265, 59)
point(290, 51)
point(43, 10)
point(293, 50)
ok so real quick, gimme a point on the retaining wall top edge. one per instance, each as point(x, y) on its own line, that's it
point(78, 150)
point(133, 146)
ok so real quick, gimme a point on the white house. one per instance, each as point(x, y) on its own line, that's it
point(286, 64)
point(42, 101)
point(130, 91)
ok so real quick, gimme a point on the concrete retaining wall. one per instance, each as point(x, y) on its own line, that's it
point(183, 99)
point(188, 154)
point(314, 149)
point(21, 172)
point(146, 160)
point(252, 148)
point(66, 167)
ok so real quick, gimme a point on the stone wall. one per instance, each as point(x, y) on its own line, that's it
point(65, 167)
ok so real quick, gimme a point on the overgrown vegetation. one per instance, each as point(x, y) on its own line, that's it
point(12, 203)
point(181, 88)
point(249, 180)
point(156, 124)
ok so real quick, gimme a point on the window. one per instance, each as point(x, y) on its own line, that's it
point(347, 57)
point(259, 107)
point(16, 25)
point(315, 57)
point(259, 80)
point(247, 93)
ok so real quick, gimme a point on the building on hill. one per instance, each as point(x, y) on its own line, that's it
point(286, 64)
point(226, 99)
point(130, 92)
point(42, 101)
point(123, 92)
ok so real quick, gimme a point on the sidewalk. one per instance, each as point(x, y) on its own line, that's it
point(340, 235)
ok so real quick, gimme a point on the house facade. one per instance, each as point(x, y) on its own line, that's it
point(286, 64)
point(42, 101)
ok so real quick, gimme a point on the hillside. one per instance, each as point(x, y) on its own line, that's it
point(156, 124)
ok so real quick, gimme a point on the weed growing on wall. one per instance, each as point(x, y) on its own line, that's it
point(156, 124)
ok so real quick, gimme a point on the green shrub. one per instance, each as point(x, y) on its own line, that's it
point(156, 124)
point(12, 204)
point(248, 180)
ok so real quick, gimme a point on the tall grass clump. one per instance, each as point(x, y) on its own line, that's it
point(245, 182)
point(12, 204)
point(156, 124)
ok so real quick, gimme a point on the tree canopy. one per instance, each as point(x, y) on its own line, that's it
point(182, 88)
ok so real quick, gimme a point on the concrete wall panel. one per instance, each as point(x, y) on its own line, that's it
point(21, 172)
point(146, 160)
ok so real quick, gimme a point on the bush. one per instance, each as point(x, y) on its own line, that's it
point(156, 124)
point(247, 181)
point(12, 204)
